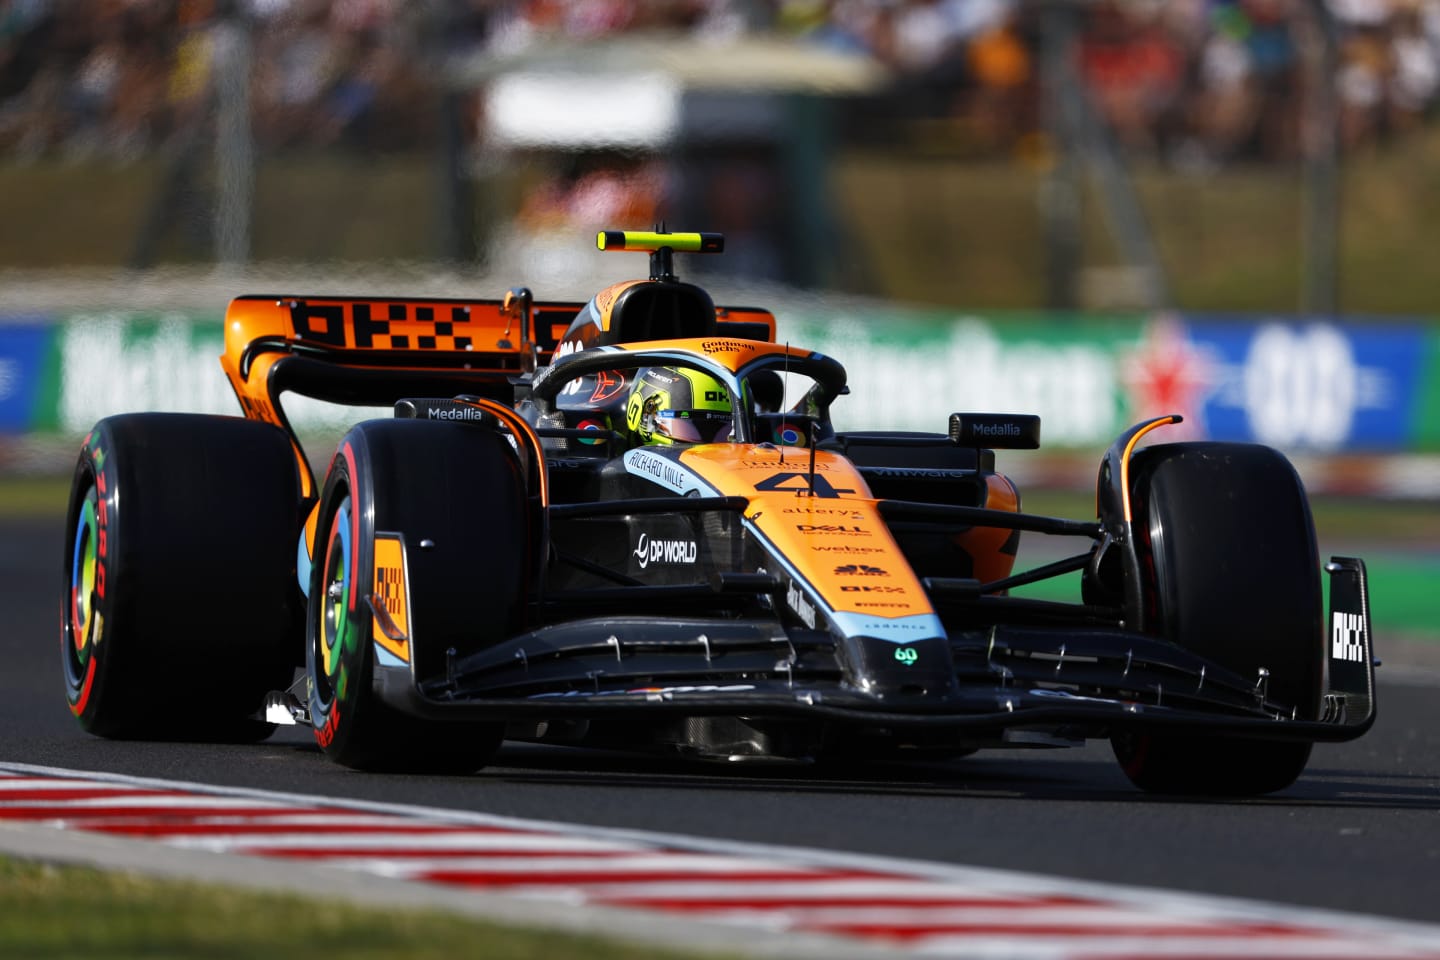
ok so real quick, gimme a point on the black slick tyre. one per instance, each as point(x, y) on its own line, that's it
point(450, 499)
point(1227, 546)
point(180, 609)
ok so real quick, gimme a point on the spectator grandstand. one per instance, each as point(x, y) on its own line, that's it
point(1191, 83)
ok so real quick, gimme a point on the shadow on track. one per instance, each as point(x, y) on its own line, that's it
point(1091, 778)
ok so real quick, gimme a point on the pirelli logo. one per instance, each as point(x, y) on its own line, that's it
point(385, 326)
point(1347, 637)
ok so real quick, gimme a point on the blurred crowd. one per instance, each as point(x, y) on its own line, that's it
point(123, 77)
point(1188, 82)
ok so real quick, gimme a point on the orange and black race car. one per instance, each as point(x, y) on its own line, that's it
point(633, 522)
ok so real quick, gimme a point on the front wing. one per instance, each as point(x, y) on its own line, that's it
point(1084, 681)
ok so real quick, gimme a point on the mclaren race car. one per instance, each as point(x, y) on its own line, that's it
point(634, 523)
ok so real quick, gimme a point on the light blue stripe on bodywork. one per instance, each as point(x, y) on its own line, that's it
point(387, 659)
point(919, 626)
point(302, 565)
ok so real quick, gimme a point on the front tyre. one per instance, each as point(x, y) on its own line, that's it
point(180, 610)
point(1233, 574)
point(457, 488)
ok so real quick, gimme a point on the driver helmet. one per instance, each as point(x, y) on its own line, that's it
point(670, 405)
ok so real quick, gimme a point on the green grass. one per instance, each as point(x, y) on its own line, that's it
point(1402, 594)
point(1396, 523)
point(970, 235)
point(308, 208)
point(909, 225)
point(33, 496)
point(1399, 541)
point(59, 913)
point(1399, 524)
point(1391, 524)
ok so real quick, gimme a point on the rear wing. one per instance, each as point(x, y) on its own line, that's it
point(366, 350)
point(375, 350)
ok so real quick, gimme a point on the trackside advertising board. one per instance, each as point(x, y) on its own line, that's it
point(1349, 386)
point(92, 365)
point(25, 357)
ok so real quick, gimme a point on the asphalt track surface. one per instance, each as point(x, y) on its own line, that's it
point(1358, 833)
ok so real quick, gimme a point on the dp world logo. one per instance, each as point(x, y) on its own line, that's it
point(649, 550)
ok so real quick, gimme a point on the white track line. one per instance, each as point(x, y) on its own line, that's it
point(905, 907)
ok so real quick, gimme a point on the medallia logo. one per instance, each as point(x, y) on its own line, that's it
point(649, 551)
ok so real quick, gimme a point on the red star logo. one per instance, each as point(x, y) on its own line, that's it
point(1167, 373)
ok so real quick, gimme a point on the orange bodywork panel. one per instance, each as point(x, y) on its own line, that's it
point(391, 593)
point(387, 346)
point(831, 529)
point(478, 336)
point(987, 545)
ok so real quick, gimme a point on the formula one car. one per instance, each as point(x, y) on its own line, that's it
point(634, 523)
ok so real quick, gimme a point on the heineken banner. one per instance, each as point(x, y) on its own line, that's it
point(1354, 385)
point(95, 365)
point(121, 363)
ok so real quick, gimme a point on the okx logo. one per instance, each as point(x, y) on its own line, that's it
point(1347, 640)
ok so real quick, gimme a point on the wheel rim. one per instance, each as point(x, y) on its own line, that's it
point(85, 571)
point(333, 635)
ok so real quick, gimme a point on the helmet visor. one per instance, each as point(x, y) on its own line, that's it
point(694, 426)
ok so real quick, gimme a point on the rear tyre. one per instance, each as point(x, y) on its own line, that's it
point(180, 609)
point(455, 496)
point(1227, 544)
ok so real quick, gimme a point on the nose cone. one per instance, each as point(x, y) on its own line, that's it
point(898, 670)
